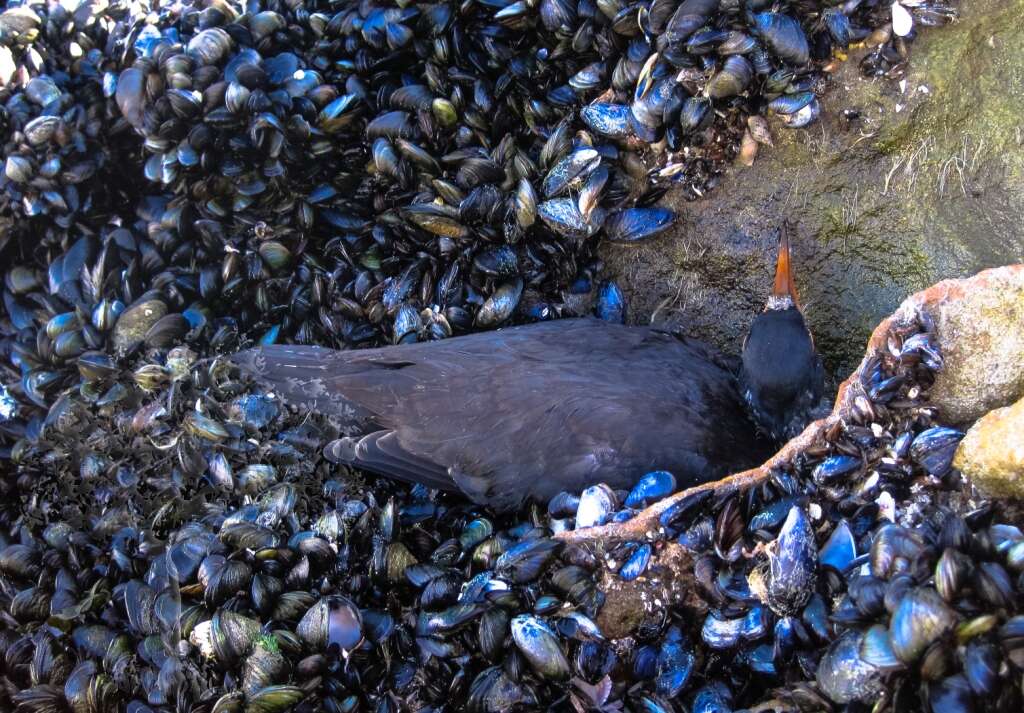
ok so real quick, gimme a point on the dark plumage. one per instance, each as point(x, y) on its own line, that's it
point(525, 411)
point(782, 378)
point(528, 411)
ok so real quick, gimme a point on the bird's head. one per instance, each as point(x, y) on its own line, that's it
point(781, 378)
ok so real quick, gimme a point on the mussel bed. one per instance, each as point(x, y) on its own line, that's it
point(350, 174)
point(193, 552)
point(184, 180)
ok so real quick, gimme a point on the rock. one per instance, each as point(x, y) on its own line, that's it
point(135, 321)
point(981, 332)
point(992, 453)
point(926, 183)
point(630, 605)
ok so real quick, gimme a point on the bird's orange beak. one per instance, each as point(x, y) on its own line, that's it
point(784, 288)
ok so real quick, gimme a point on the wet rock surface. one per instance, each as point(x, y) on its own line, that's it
point(899, 186)
point(992, 453)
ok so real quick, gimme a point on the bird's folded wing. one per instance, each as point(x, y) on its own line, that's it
point(380, 452)
point(317, 379)
point(358, 387)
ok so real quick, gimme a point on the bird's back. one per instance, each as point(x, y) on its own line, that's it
point(526, 411)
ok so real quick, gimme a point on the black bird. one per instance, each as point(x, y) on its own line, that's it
point(532, 410)
point(782, 378)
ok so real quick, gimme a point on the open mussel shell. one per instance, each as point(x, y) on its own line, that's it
point(332, 622)
point(563, 216)
point(803, 117)
point(436, 219)
point(574, 167)
point(790, 103)
point(205, 427)
point(96, 366)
